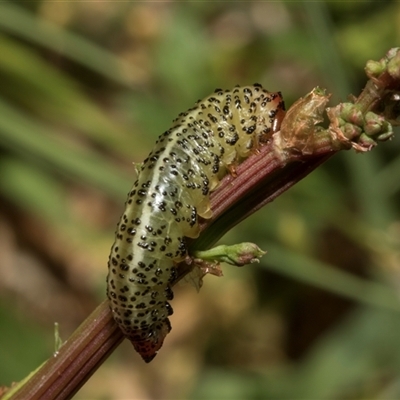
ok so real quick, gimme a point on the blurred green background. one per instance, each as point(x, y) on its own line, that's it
point(85, 89)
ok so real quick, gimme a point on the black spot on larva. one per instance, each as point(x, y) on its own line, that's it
point(233, 139)
point(250, 129)
point(212, 118)
point(162, 206)
point(124, 267)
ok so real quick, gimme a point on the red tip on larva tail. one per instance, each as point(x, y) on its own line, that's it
point(149, 347)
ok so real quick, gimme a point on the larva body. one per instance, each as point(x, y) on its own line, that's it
point(171, 193)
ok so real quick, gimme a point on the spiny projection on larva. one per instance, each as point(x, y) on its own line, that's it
point(170, 195)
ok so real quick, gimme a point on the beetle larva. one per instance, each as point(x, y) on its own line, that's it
point(171, 193)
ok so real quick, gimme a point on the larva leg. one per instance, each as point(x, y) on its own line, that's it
point(232, 170)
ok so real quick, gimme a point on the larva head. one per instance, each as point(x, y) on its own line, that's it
point(240, 119)
point(268, 107)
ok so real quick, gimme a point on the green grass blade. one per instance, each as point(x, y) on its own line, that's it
point(31, 140)
point(26, 25)
point(316, 273)
point(33, 83)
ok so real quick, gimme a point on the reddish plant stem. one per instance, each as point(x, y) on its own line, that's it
point(260, 174)
point(64, 374)
point(259, 181)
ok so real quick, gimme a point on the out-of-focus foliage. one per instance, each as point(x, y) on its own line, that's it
point(86, 87)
